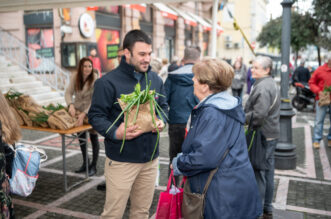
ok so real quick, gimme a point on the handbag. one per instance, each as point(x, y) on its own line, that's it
point(25, 169)
point(194, 203)
point(170, 201)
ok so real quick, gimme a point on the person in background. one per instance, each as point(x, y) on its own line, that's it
point(132, 172)
point(156, 65)
point(215, 131)
point(11, 133)
point(262, 110)
point(96, 60)
point(181, 100)
point(81, 86)
point(301, 74)
point(164, 70)
point(320, 79)
point(174, 64)
point(239, 79)
point(249, 79)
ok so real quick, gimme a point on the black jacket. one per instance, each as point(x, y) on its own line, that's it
point(104, 110)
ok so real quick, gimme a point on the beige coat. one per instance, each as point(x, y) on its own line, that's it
point(82, 100)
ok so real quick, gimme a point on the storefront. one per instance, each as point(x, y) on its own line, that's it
point(40, 40)
point(107, 34)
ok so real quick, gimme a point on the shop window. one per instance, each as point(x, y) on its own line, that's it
point(71, 53)
point(40, 41)
point(108, 42)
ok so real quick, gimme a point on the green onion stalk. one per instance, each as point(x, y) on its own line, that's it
point(136, 98)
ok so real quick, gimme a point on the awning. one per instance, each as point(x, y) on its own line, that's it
point(219, 29)
point(138, 7)
point(166, 11)
point(204, 23)
point(187, 18)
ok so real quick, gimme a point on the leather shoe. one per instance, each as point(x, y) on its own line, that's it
point(82, 169)
point(101, 187)
point(92, 170)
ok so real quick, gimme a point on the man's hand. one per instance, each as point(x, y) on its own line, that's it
point(159, 125)
point(80, 119)
point(131, 132)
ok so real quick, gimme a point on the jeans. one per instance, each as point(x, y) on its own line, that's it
point(321, 112)
point(265, 178)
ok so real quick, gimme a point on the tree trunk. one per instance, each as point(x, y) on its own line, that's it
point(296, 59)
point(319, 55)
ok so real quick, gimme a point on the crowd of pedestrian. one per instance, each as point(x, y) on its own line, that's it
point(206, 127)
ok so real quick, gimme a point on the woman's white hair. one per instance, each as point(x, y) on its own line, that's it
point(265, 61)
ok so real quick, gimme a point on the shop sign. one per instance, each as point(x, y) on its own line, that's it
point(45, 52)
point(112, 50)
point(86, 25)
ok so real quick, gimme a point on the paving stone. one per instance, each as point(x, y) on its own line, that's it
point(309, 195)
point(297, 134)
point(74, 162)
point(22, 211)
point(51, 215)
point(32, 135)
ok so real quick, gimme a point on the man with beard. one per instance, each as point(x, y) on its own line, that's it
point(132, 172)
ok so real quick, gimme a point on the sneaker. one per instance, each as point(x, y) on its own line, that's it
point(316, 145)
point(329, 143)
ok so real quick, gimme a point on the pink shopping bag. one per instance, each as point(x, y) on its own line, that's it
point(170, 201)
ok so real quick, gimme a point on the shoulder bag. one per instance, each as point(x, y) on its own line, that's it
point(194, 203)
point(257, 144)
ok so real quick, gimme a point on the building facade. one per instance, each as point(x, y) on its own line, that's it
point(65, 35)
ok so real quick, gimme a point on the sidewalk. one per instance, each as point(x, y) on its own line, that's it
point(301, 193)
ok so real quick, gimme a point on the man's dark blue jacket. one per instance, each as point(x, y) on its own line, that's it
point(104, 110)
point(180, 97)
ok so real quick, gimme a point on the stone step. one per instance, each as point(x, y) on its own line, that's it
point(23, 79)
point(4, 81)
point(13, 74)
point(35, 90)
point(46, 95)
point(11, 68)
point(5, 88)
point(58, 100)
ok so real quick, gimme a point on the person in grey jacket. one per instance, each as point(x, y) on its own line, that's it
point(239, 79)
point(262, 110)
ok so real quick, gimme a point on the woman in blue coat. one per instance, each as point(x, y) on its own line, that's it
point(215, 125)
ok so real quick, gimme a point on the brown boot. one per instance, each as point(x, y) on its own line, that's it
point(316, 145)
point(329, 143)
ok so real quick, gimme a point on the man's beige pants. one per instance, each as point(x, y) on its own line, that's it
point(136, 180)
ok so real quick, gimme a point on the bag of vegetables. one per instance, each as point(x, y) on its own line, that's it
point(140, 108)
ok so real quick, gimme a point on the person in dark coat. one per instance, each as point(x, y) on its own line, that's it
point(301, 74)
point(181, 100)
point(215, 125)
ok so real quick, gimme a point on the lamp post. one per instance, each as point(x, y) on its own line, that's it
point(285, 155)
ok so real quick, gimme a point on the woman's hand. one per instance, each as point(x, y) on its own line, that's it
point(170, 166)
point(72, 110)
point(80, 119)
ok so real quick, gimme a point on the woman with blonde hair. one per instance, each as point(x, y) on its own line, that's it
point(10, 133)
point(81, 86)
point(216, 141)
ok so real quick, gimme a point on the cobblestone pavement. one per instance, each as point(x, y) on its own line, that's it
point(301, 193)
